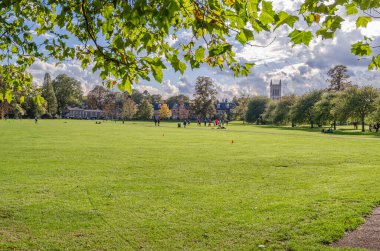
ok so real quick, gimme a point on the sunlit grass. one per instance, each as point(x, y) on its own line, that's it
point(78, 185)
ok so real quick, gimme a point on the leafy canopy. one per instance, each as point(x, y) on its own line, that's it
point(130, 40)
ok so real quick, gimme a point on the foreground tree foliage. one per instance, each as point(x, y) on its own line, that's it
point(130, 40)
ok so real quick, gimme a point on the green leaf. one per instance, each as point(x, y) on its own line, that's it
point(351, 9)
point(157, 72)
point(126, 84)
point(200, 53)
point(361, 49)
point(103, 75)
point(267, 14)
point(333, 22)
point(249, 65)
point(253, 7)
point(8, 96)
point(259, 26)
point(325, 34)
point(22, 99)
point(375, 63)
point(244, 36)
point(363, 21)
point(107, 11)
point(118, 41)
point(301, 37)
point(216, 50)
point(182, 67)
point(28, 36)
point(285, 18)
point(14, 49)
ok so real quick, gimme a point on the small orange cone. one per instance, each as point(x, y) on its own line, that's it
point(232, 141)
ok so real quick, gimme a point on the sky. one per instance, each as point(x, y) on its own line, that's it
point(300, 68)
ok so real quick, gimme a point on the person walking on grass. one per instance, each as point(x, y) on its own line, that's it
point(35, 120)
point(184, 123)
point(155, 120)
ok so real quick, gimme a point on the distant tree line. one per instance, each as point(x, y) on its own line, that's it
point(340, 103)
point(53, 98)
point(50, 100)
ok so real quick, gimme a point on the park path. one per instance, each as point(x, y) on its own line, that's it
point(366, 236)
point(314, 135)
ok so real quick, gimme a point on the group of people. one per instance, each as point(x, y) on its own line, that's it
point(186, 122)
point(216, 122)
point(375, 127)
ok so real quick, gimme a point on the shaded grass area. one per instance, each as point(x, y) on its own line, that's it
point(342, 130)
point(77, 185)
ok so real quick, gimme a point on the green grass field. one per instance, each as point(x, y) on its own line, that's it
point(76, 185)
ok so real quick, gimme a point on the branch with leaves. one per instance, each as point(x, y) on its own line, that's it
point(130, 40)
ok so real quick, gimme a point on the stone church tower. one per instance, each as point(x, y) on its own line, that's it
point(275, 91)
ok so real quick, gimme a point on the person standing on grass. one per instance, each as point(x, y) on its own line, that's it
point(155, 120)
point(184, 123)
point(35, 120)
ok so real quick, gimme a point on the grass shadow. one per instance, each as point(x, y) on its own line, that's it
point(341, 130)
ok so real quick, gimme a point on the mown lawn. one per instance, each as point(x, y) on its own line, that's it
point(76, 185)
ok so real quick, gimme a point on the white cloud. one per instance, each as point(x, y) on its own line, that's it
point(72, 68)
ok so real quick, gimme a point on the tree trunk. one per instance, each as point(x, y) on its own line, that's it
point(311, 124)
point(363, 129)
point(2, 110)
point(334, 125)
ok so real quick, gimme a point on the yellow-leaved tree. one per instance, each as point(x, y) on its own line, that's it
point(165, 112)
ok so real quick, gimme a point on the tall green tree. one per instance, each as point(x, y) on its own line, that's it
point(270, 108)
point(359, 102)
point(177, 99)
point(324, 109)
point(281, 115)
point(34, 104)
point(49, 95)
point(96, 97)
point(256, 108)
point(203, 104)
point(156, 99)
point(68, 92)
point(128, 40)
point(137, 96)
point(241, 107)
point(304, 109)
point(338, 78)
point(145, 110)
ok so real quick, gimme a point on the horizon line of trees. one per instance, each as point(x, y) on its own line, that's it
point(52, 99)
point(340, 103)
